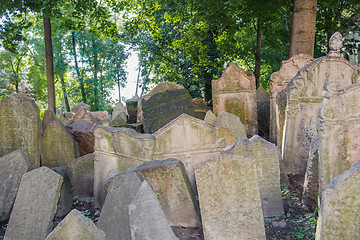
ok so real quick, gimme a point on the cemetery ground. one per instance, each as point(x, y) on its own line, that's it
point(297, 221)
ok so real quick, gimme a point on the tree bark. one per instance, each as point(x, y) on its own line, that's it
point(49, 65)
point(303, 27)
point(63, 87)
point(96, 81)
point(258, 53)
point(82, 87)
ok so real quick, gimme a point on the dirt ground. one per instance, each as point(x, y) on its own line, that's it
point(297, 222)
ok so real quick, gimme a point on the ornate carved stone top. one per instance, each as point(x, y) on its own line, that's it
point(335, 44)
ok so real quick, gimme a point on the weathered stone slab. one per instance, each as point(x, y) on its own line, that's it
point(164, 103)
point(190, 140)
point(229, 198)
point(12, 167)
point(58, 147)
point(199, 108)
point(339, 136)
point(131, 106)
point(118, 150)
point(35, 205)
point(340, 206)
point(114, 217)
point(210, 117)
point(235, 93)
point(278, 81)
point(311, 183)
point(171, 185)
point(263, 112)
point(147, 219)
point(303, 100)
point(83, 132)
point(80, 106)
point(76, 226)
point(267, 158)
point(82, 176)
point(231, 121)
point(49, 116)
point(66, 195)
point(20, 127)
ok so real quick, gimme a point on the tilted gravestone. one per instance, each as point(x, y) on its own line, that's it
point(339, 131)
point(304, 97)
point(118, 150)
point(190, 140)
point(35, 205)
point(310, 192)
point(231, 121)
point(340, 206)
point(171, 184)
point(12, 167)
point(229, 198)
point(82, 176)
point(235, 93)
point(80, 106)
point(267, 159)
point(76, 226)
point(199, 108)
point(210, 117)
point(278, 81)
point(83, 132)
point(20, 127)
point(114, 217)
point(147, 219)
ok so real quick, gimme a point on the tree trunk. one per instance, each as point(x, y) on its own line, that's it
point(82, 88)
point(49, 65)
point(96, 81)
point(258, 53)
point(303, 27)
point(63, 87)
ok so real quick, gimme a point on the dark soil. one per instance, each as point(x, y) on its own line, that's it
point(297, 222)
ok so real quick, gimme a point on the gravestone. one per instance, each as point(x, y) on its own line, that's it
point(80, 106)
point(83, 132)
point(199, 108)
point(20, 127)
point(114, 217)
point(263, 112)
point(304, 97)
point(340, 206)
point(210, 117)
point(58, 147)
point(278, 81)
point(229, 198)
point(82, 175)
point(171, 185)
point(267, 159)
point(66, 195)
point(49, 116)
point(131, 106)
point(339, 136)
point(118, 150)
point(310, 192)
point(119, 115)
point(190, 140)
point(235, 92)
point(35, 205)
point(231, 121)
point(147, 219)
point(76, 226)
point(12, 167)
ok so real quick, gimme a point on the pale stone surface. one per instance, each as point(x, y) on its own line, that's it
point(171, 185)
point(76, 226)
point(190, 140)
point(340, 206)
point(339, 118)
point(20, 127)
point(229, 198)
point(164, 103)
point(118, 150)
point(263, 111)
point(235, 92)
point(35, 205)
point(231, 121)
point(80, 106)
point(114, 217)
point(278, 81)
point(147, 219)
point(303, 99)
point(82, 175)
point(267, 158)
point(210, 117)
point(12, 167)
point(58, 147)
point(311, 183)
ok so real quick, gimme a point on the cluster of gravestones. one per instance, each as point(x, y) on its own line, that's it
point(216, 173)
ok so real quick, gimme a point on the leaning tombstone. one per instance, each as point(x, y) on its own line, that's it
point(147, 219)
point(118, 150)
point(339, 131)
point(231, 121)
point(210, 117)
point(131, 106)
point(235, 92)
point(82, 176)
point(229, 198)
point(35, 205)
point(12, 167)
point(80, 106)
point(304, 97)
point(340, 207)
point(83, 132)
point(199, 108)
point(310, 192)
point(20, 127)
point(278, 81)
point(267, 159)
point(66, 195)
point(76, 226)
point(171, 185)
